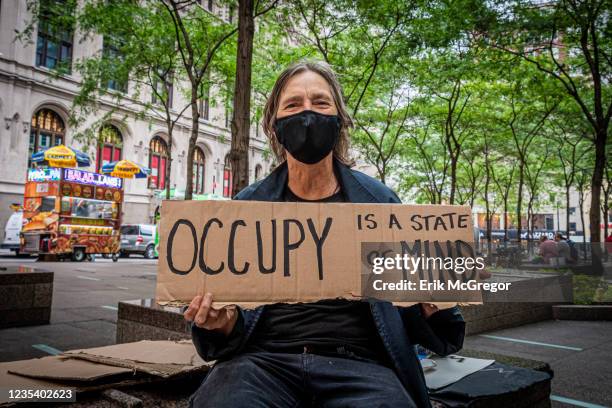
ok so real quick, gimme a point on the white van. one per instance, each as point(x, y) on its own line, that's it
point(11, 232)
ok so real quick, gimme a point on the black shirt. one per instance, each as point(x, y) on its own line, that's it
point(337, 197)
point(332, 326)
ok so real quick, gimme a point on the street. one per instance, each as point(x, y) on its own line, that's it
point(84, 312)
point(577, 351)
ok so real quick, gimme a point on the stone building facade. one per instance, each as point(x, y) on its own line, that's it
point(34, 109)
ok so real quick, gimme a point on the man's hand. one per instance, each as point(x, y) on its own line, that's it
point(427, 309)
point(201, 312)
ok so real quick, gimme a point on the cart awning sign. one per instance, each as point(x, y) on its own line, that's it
point(44, 174)
point(94, 179)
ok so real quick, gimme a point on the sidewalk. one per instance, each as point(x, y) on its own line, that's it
point(579, 352)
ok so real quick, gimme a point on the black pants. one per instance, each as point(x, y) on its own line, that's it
point(299, 380)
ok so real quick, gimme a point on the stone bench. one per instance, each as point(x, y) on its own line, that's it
point(144, 319)
point(582, 312)
point(25, 296)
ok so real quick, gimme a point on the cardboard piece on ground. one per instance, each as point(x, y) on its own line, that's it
point(268, 252)
point(58, 368)
point(13, 381)
point(9, 380)
point(451, 369)
point(160, 358)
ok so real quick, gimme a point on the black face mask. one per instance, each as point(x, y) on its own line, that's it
point(309, 136)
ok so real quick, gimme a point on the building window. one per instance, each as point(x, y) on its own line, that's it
point(163, 88)
point(54, 39)
point(572, 226)
point(209, 5)
point(258, 171)
point(158, 154)
point(572, 210)
point(110, 146)
point(46, 130)
point(117, 80)
point(231, 13)
point(204, 106)
point(549, 223)
point(227, 177)
point(199, 162)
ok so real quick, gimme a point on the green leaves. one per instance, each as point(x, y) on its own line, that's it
point(449, 98)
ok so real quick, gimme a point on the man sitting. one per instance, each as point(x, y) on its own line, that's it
point(335, 352)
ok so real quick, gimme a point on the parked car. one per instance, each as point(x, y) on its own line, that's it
point(11, 232)
point(138, 239)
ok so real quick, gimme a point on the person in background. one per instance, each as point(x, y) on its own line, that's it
point(563, 247)
point(608, 246)
point(548, 249)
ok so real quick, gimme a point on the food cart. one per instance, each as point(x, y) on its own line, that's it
point(71, 213)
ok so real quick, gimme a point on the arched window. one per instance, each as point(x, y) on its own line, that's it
point(158, 154)
point(258, 171)
point(227, 177)
point(46, 130)
point(198, 171)
point(110, 146)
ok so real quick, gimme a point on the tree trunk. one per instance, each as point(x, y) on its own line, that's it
point(596, 183)
point(606, 211)
point(193, 139)
point(505, 218)
point(581, 208)
point(241, 122)
point(453, 187)
point(519, 201)
point(169, 160)
point(567, 210)
point(488, 212)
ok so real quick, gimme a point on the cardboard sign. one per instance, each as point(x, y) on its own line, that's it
point(267, 252)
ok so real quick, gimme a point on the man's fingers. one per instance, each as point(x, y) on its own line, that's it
point(216, 318)
point(191, 311)
point(428, 309)
point(202, 315)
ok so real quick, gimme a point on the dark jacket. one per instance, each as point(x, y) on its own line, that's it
point(400, 328)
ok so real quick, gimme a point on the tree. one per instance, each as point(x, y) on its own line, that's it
point(570, 151)
point(380, 129)
point(239, 154)
point(241, 119)
point(503, 175)
point(425, 164)
point(567, 41)
point(534, 168)
point(525, 120)
point(199, 35)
